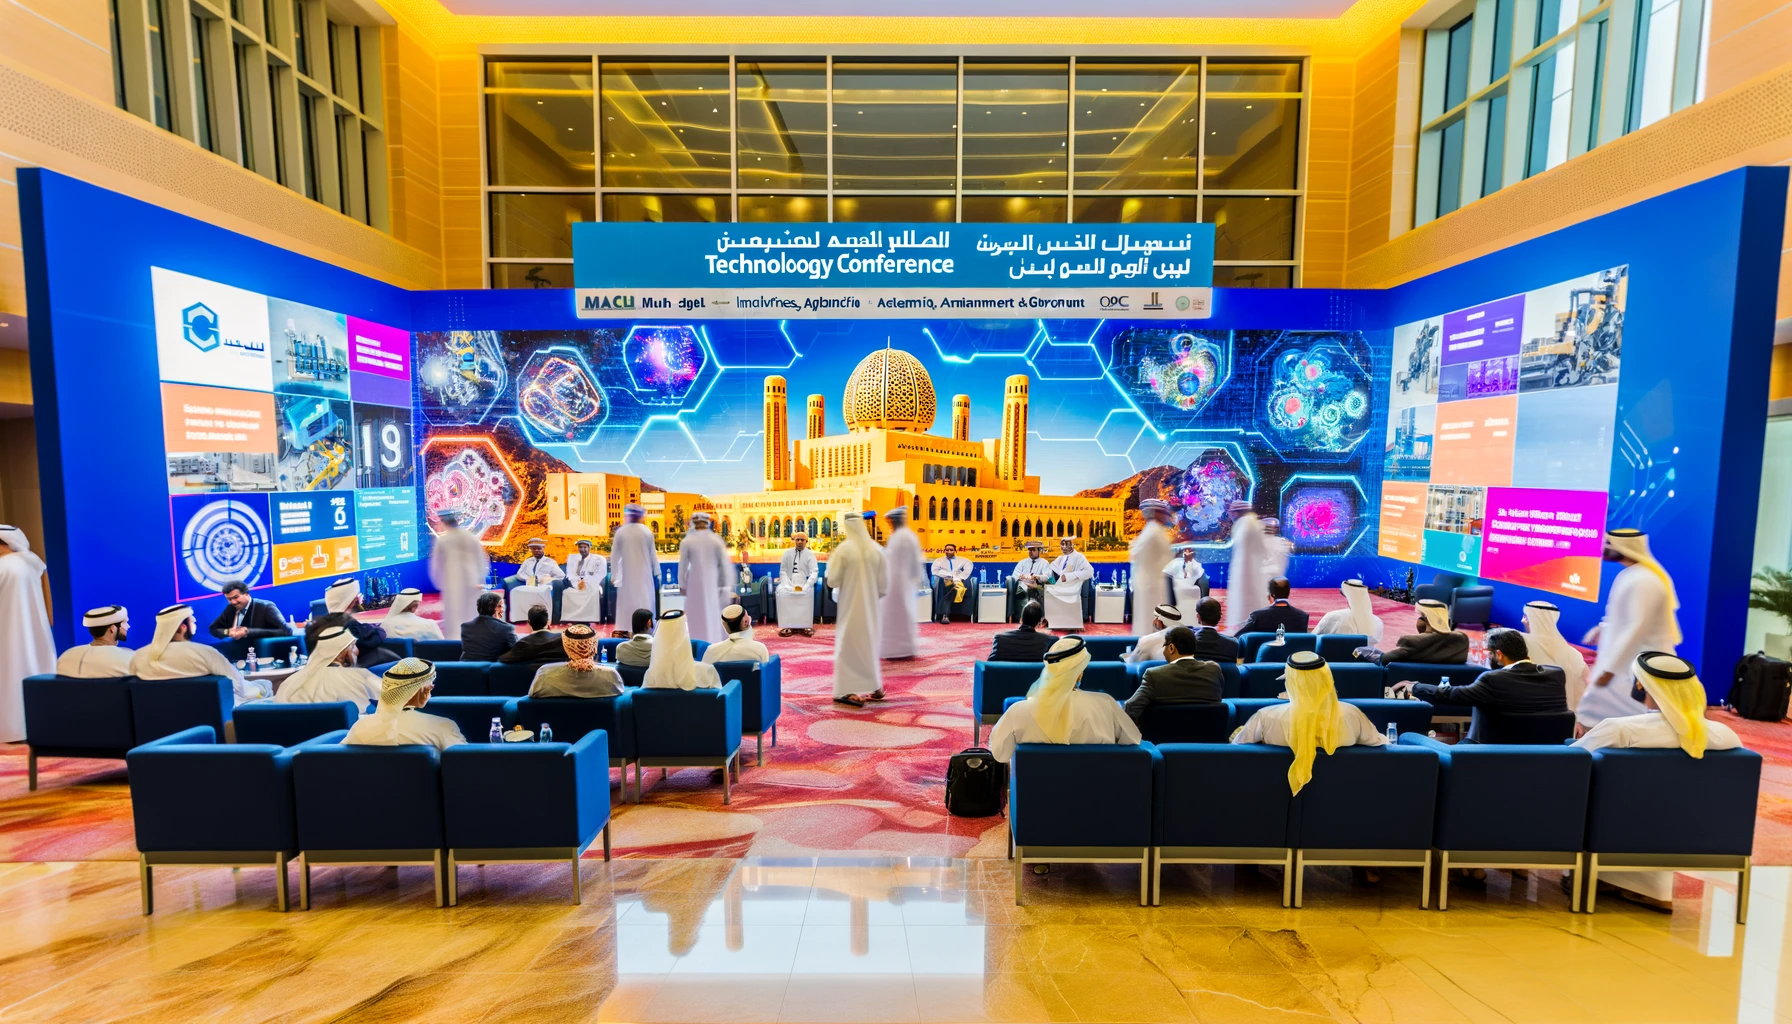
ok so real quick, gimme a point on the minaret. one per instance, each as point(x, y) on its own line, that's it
point(777, 436)
point(961, 417)
point(818, 417)
point(1011, 458)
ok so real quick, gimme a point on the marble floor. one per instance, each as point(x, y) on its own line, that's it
point(872, 939)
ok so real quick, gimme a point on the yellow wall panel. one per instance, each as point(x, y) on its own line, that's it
point(68, 40)
point(1759, 45)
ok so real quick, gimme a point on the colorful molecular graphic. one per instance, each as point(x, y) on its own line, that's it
point(557, 398)
point(1320, 516)
point(1188, 376)
point(460, 373)
point(1318, 400)
point(225, 541)
point(1209, 486)
point(663, 362)
point(470, 485)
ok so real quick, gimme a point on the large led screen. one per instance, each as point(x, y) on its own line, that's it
point(1501, 416)
point(287, 434)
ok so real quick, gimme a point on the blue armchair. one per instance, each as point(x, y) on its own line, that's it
point(1186, 723)
point(1471, 604)
point(1421, 672)
point(463, 678)
point(1109, 648)
point(437, 650)
point(288, 725)
point(1261, 648)
point(510, 679)
point(525, 803)
point(1340, 648)
point(1082, 804)
point(1264, 679)
point(197, 802)
point(67, 717)
point(1509, 807)
point(1488, 726)
point(761, 699)
point(573, 718)
point(1660, 810)
point(283, 648)
point(993, 682)
point(161, 707)
point(1113, 678)
point(1442, 586)
point(473, 714)
point(684, 728)
point(1367, 807)
point(1408, 716)
point(632, 675)
point(1221, 803)
point(362, 805)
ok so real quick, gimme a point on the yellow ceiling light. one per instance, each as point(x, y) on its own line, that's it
point(1364, 23)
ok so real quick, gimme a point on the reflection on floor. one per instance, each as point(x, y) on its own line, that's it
point(871, 940)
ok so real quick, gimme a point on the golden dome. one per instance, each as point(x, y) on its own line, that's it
point(889, 390)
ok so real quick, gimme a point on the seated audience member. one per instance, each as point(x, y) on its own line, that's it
point(542, 643)
point(1210, 643)
point(740, 645)
point(1313, 719)
point(1547, 646)
point(102, 658)
point(672, 665)
point(637, 650)
point(342, 598)
point(1676, 718)
point(1434, 644)
point(403, 621)
point(399, 720)
point(488, 636)
point(1030, 575)
point(1055, 711)
point(1151, 646)
point(1516, 685)
point(1355, 617)
point(579, 675)
point(1185, 573)
point(1185, 680)
point(1028, 643)
point(172, 654)
point(953, 594)
point(330, 675)
point(1278, 613)
point(247, 618)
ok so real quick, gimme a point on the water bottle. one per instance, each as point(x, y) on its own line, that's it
point(1393, 734)
point(1445, 681)
point(603, 655)
point(254, 660)
point(546, 735)
point(497, 735)
point(1281, 635)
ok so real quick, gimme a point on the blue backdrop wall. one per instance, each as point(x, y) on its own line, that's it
point(1691, 398)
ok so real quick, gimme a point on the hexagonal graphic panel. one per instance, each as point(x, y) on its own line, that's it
point(1322, 514)
point(558, 400)
point(1172, 375)
point(1065, 350)
point(663, 363)
point(1209, 484)
point(471, 476)
point(750, 344)
point(1315, 399)
point(460, 375)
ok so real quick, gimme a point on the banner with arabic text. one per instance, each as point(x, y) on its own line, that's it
point(877, 271)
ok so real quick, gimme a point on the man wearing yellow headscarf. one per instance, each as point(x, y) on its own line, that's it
point(1672, 689)
point(1055, 711)
point(1640, 615)
point(1314, 719)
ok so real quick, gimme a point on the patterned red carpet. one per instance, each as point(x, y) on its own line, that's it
point(839, 780)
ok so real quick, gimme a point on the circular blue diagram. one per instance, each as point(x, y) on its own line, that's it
point(225, 541)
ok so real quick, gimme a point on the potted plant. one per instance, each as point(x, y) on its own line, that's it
point(1771, 591)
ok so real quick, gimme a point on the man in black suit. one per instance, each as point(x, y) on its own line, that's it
point(487, 636)
point(1279, 613)
point(1434, 644)
point(246, 618)
point(1028, 643)
point(1185, 680)
point(343, 598)
point(542, 645)
point(1210, 643)
point(1515, 685)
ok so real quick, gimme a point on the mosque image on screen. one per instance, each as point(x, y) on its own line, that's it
point(285, 462)
point(1049, 429)
point(1497, 460)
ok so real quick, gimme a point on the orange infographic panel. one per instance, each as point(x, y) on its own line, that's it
point(1474, 442)
point(202, 419)
point(1402, 520)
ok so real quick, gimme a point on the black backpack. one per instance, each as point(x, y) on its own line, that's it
point(1761, 689)
point(976, 784)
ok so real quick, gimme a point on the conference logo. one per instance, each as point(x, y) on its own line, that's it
point(199, 325)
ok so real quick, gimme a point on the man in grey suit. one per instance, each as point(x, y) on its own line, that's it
point(1185, 680)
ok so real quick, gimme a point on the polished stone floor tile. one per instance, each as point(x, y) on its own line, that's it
point(873, 939)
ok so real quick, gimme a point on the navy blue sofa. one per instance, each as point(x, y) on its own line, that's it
point(288, 725)
point(1111, 789)
point(1367, 807)
point(361, 805)
point(1254, 648)
point(573, 718)
point(761, 698)
point(686, 728)
point(66, 717)
point(1244, 821)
